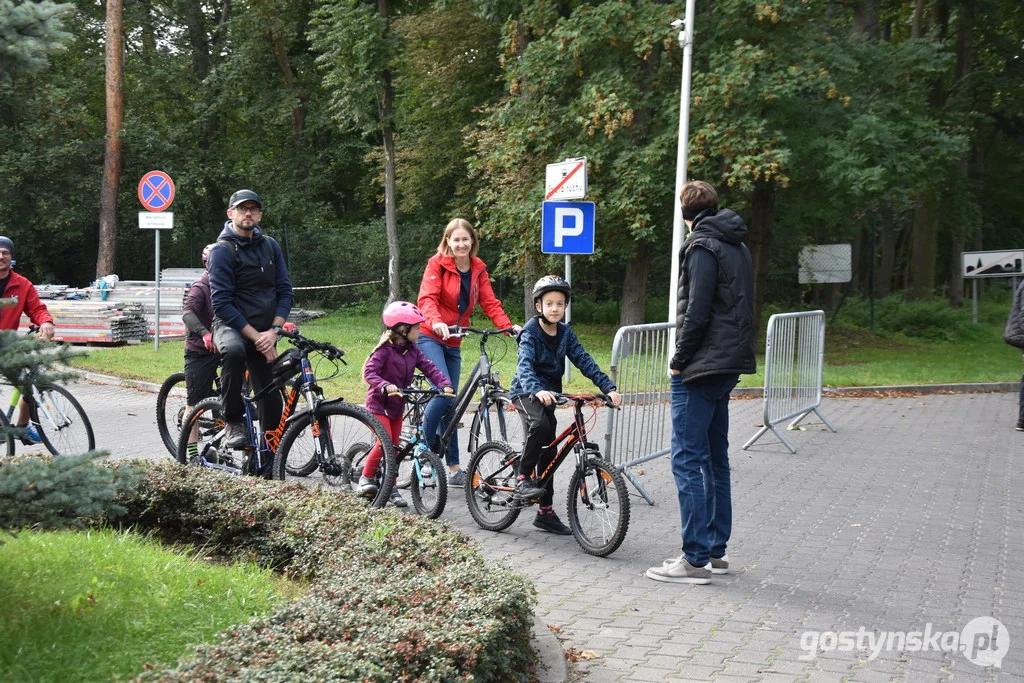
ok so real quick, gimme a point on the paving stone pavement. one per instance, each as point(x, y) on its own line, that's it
point(909, 518)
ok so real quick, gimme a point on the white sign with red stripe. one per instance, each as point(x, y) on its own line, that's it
point(566, 180)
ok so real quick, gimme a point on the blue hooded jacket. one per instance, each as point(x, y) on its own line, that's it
point(248, 280)
point(540, 369)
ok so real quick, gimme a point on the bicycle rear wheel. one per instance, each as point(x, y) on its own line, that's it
point(62, 423)
point(490, 486)
point(598, 507)
point(342, 431)
point(171, 406)
point(498, 420)
point(207, 420)
point(429, 487)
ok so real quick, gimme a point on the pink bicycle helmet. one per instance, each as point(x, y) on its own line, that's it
point(402, 313)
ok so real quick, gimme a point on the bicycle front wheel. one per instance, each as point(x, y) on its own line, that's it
point(498, 420)
point(598, 507)
point(429, 484)
point(63, 425)
point(490, 486)
point(341, 432)
point(171, 406)
point(5, 434)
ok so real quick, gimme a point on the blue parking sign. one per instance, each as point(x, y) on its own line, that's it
point(567, 228)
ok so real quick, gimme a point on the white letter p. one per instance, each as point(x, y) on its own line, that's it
point(561, 230)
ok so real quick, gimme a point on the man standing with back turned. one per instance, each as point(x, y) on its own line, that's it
point(714, 346)
point(251, 293)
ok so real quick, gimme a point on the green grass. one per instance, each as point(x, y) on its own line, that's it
point(853, 356)
point(101, 605)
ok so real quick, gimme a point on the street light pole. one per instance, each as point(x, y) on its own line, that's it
point(685, 27)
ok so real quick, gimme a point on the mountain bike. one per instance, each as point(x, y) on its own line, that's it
point(496, 418)
point(332, 427)
point(421, 470)
point(63, 426)
point(598, 500)
point(327, 434)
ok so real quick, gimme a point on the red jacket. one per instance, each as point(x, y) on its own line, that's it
point(439, 296)
point(28, 302)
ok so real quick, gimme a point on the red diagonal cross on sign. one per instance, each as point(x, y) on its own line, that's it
point(156, 191)
point(568, 175)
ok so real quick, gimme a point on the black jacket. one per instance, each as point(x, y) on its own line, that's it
point(1014, 333)
point(248, 280)
point(715, 310)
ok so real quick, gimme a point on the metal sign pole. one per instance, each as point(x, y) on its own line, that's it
point(568, 311)
point(156, 261)
point(974, 297)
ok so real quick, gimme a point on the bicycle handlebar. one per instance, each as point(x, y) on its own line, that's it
point(565, 399)
point(460, 331)
point(329, 350)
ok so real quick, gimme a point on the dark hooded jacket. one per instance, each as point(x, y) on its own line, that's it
point(715, 310)
point(1014, 333)
point(248, 280)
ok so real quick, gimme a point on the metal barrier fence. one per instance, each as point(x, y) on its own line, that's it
point(794, 359)
point(641, 430)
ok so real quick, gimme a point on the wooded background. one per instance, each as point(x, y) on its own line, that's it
point(366, 126)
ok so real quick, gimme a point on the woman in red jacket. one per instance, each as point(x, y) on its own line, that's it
point(26, 300)
point(454, 281)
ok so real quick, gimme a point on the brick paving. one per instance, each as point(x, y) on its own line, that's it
point(911, 515)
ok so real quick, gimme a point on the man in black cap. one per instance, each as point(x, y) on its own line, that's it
point(251, 293)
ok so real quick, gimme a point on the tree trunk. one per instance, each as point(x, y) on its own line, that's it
point(887, 265)
point(865, 18)
point(106, 258)
point(529, 280)
point(923, 248)
point(390, 204)
point(634, 286)
point(963, 68)
point(760, 240)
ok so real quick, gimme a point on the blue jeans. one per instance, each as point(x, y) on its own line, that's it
point(448, 360)
point(700, 464)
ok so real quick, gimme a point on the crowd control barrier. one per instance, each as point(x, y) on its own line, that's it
point(794, 359)
point(641, 430)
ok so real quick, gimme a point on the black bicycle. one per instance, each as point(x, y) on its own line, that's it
point(598, 500)
point(496, 418)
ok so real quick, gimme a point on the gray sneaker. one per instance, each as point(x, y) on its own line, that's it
point(235, 435)
point(457, 478)
point(720, 565)
point(680, 571)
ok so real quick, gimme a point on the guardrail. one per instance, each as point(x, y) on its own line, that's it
point(641, 430)
point(794, 360)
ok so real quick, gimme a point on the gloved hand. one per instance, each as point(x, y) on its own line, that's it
point(208, 342)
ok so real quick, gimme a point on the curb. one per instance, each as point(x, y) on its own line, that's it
point(552, 667)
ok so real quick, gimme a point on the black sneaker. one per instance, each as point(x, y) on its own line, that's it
point(551, 523)
point(527, 489)
point(1020, 426)
point(235, 436)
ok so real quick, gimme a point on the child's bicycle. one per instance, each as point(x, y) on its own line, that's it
point(598, 500)
point(63, 426)
point(306, 444)
point(422, 470)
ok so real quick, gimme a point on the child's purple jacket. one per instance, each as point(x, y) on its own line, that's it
point(395, 364)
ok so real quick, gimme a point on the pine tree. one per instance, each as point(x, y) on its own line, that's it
point(29, 33)
point(48, 492)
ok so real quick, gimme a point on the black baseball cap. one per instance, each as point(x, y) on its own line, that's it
point(244, 196)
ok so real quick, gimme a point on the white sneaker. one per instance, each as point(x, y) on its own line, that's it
point(367, 486)
point(680, 571)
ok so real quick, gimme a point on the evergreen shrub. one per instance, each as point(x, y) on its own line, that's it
point(391, 597)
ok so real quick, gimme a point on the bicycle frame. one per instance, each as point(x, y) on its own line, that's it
point(480, 377)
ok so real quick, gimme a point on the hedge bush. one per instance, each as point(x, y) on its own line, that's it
point(391, 598)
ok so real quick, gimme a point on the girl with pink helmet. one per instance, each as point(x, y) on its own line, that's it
point(390, 368)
